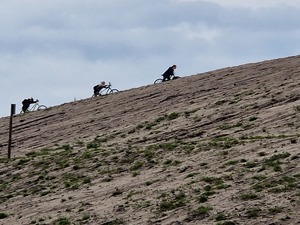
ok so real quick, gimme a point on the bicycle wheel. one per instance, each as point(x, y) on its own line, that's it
point(157, 81)
point(111, 91)
point(41, 107)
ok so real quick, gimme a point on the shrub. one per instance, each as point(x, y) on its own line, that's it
point(220, 216)
point(253, 212)
point(62, 221)
point(249, 196)
point(3, 215)
point(137, 165)
point(200, 213)
point(173, 116)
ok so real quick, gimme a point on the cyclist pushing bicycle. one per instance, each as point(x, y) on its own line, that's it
point(99, 87)
point(169, 74)
point(104, 89)
point(26, 103)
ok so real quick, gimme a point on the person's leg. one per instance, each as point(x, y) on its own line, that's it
point(25, 108)
point(97, 91)
point(166, 78)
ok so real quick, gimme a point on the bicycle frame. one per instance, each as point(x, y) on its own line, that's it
point(34, 107)
point(105, 91)
point(108, 90)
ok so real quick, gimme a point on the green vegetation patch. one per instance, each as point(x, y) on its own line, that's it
point(73, 181)
point(198, 214)
point(3, 215)
point(177, 200)
point(277, 185)
point(62, 221)
point(275, 162)
point(224, 142)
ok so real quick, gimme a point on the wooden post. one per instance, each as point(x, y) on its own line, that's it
point(12, 112)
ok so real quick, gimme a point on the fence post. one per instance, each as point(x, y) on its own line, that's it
point(12, 112)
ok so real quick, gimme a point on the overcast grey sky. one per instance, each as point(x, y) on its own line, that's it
point(57, 50)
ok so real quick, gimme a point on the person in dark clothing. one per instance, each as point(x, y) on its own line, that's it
point(26, 103)
point(169, 73)
point(98, 88)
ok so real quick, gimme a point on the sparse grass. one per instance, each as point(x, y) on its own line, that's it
point(92, 144)
point(173, 116)
point(252, 118)
point(202, 198)
point(253, 212)
point(132, 193)
point(260, 137)
point(66, 147)
point(73, 181)
point(142, 204)
point(229, 126)
point(278, 185)
point(3, 215)
point(150, 182)
point(230, 163)
point(42, 152)
point(169, 146)
point(274, 161)
point(86, 217)
point(3, 160)
point(212, 180)
point(259, 177)
point(135, 173)
point(101, 160)
point(224, 142)
point(220, 216)
point(149, 125)
point(197, 214)
point(275, 210)
point(249, 196)
point(192, 174)
point(62, 221)
point(251, 164)
point(23, 161)
point(137, 165)
point(177, 200)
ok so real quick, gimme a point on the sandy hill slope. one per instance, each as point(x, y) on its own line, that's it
point(218, 148)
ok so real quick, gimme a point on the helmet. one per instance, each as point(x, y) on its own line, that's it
point(174, 66)
point(103, 82)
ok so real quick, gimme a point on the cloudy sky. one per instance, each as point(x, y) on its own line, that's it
point(57, 50)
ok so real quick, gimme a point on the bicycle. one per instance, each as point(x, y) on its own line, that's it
point(107, 90)
point(35, 107)
point(160, 80)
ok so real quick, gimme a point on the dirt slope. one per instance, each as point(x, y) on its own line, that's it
point(214, 148)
